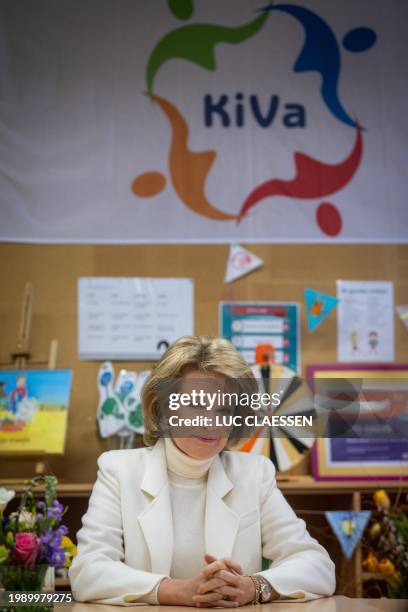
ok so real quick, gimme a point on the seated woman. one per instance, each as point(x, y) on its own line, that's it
point(186, 522)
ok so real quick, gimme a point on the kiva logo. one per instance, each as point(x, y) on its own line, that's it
point(314, 179)
point(234, 112)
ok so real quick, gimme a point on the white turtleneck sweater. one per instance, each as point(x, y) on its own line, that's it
point(188, 488)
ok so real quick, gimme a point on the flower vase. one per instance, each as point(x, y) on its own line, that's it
point(25, 582)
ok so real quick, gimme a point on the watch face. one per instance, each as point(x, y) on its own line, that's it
point(266, 591)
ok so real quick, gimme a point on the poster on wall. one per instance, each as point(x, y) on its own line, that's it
point(236, 121)
point(365, 321)
point(363, 427)
point(250, 324)
point(132, 318)
point(34, 410)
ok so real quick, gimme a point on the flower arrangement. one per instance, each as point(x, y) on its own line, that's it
point(32, 538)
point(387, 545)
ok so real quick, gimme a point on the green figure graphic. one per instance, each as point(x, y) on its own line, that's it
point(196, 42)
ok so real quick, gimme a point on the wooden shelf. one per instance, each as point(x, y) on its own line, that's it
point(82, 489)
point(307, 485)
point(299, 485)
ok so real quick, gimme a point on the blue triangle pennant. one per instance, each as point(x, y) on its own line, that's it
point(318, 306)
point(348, 527)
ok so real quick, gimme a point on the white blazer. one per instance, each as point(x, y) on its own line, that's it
point(126, 541)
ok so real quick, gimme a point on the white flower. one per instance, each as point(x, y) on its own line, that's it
point(27, 518)
point(6, 495)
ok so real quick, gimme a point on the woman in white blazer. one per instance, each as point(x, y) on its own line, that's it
point(186, 522)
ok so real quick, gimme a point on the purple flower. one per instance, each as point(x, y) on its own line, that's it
point(62, 530)
point(50, 543)
point(55, 557)
point(54, 513)
point(50, 538)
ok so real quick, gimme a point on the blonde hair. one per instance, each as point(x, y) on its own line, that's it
point(204, 353)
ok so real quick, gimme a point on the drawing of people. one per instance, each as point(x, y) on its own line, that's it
point(373, 341)
point(18, 393)
point(354, 341)
point(3, 392)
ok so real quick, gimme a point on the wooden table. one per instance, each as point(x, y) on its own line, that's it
point(326, 604)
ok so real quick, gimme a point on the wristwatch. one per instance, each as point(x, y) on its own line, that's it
point(263, 590)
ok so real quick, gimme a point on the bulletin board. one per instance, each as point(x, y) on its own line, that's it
point(54, 271)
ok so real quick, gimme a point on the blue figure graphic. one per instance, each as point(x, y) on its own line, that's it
point(18, 394)
point(321, 53)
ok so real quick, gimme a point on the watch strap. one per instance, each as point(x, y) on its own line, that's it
point(264, 585)
point(257, 586)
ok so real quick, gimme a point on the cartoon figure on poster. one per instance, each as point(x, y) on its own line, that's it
point(373, 341)
point(16, 408)
point(354, 341)
point(119, 409)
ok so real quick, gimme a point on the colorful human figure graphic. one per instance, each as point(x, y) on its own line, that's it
point(354, 341)
point(18, 394)
point(3, 392)
point(373, 341)
point(321, 52)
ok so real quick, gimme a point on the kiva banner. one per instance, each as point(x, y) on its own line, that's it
point(203, 121)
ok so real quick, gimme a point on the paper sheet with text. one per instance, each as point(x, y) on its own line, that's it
point(132, 318)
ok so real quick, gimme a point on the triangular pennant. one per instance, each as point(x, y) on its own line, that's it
point(240, 262)
point(403, 314)
point(318, 306)
point(348, 527)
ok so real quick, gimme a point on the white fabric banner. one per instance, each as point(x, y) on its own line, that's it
point(203, 121)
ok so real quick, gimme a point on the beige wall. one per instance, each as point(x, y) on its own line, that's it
point(54, 271)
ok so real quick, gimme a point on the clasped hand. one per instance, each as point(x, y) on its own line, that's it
point(221, 583)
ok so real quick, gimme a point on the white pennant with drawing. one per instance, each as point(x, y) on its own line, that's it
point(240, 262)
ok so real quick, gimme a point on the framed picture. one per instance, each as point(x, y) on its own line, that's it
point(364, 432)
point(34, 411)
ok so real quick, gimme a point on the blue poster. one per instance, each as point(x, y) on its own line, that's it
point(249, 325)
